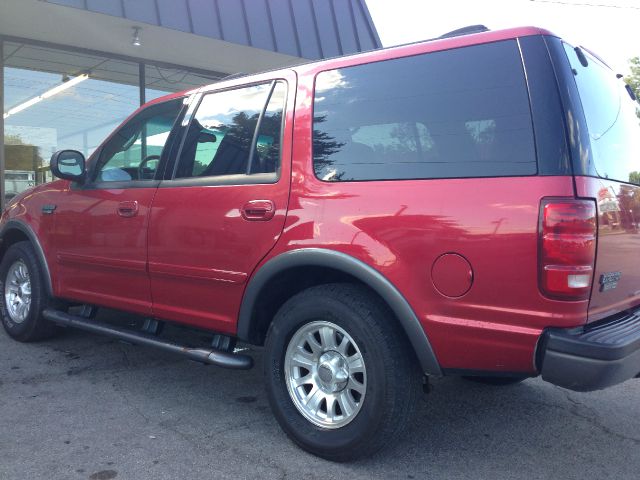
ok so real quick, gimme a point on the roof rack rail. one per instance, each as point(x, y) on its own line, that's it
point(465, 31)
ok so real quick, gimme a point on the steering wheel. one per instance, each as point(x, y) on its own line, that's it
point(143, 164)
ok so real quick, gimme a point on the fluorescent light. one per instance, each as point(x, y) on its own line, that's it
point(64, 86)
point(49, 93)
point(23, 106)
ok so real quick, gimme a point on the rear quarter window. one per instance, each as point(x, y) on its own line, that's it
point(449, 114)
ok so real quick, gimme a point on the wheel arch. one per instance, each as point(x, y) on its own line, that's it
point(336, 266)
point(15, 231)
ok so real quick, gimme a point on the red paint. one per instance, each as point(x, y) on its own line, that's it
point(99, 246)
point(202, 250)
point(496, 325)
point(204, 242)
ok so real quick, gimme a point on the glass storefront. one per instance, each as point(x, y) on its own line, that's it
point(159, 81)
point(56, 98)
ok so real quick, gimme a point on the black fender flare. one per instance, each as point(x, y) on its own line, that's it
point(354, 267)
point(33, 238)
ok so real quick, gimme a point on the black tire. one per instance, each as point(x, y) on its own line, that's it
point(34, 327)
point(496, 381)
point(393, 378)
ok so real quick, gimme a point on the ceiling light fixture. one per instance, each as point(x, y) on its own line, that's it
point(48, 94)
point(136, 37)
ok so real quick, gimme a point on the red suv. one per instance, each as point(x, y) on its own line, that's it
point(463, 206)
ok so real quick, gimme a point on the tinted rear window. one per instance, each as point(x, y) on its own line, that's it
point(613, 119)
point(455, 113)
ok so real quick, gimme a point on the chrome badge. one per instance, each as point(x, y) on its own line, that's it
point(609, 281)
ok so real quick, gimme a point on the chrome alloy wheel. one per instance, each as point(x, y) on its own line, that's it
point(17, 291)
point(325, 374)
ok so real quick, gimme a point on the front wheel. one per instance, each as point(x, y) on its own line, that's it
point(24, 295)
point(340, 375)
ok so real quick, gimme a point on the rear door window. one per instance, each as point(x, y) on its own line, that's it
point(613, 119)
point(235, 132)
point(456, 113)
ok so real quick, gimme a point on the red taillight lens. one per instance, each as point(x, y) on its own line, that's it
point(568, 232)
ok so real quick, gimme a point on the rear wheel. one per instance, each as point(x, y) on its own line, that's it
point(341, 379)
point(24, 295)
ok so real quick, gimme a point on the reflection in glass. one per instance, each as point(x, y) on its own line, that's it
point(612, 119)
point(459, 113)
point(220, 138)
point(133, 153)
point(70, 162)
point(266, 157)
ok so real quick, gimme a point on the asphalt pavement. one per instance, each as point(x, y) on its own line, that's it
point(81, 406)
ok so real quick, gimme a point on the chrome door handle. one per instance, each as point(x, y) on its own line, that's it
point(128, 209)
point(258, 210)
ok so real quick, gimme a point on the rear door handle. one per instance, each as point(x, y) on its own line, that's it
point(128, 209)
point(258, 210)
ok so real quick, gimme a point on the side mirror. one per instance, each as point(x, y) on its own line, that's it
point(68, 165)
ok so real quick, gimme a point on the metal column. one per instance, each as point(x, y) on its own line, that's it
point(2, 126)
point(142, 81)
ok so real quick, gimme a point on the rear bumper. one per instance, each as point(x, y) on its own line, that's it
point(592, 357)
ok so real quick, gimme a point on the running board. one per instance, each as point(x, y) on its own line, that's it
point(203, 355)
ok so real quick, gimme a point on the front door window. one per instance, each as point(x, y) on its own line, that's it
point(133, 152)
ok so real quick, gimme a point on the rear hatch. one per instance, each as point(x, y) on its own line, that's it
point(608, 171)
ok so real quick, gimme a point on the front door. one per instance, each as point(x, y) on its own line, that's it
point(100, 237)
point(224, 206)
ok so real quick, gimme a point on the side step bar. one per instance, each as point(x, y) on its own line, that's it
point(203, 355)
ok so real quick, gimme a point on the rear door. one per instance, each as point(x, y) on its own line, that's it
point(611, 161)
point(224, 206)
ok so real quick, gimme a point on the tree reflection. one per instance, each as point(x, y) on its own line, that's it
point(234, 141)
point(324, 146)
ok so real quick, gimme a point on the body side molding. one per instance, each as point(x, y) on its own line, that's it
point(28, 231)
point(354, 267)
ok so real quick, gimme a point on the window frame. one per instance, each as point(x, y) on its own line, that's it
point(170, 180)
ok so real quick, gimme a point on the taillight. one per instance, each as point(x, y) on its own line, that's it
point(568, 232)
